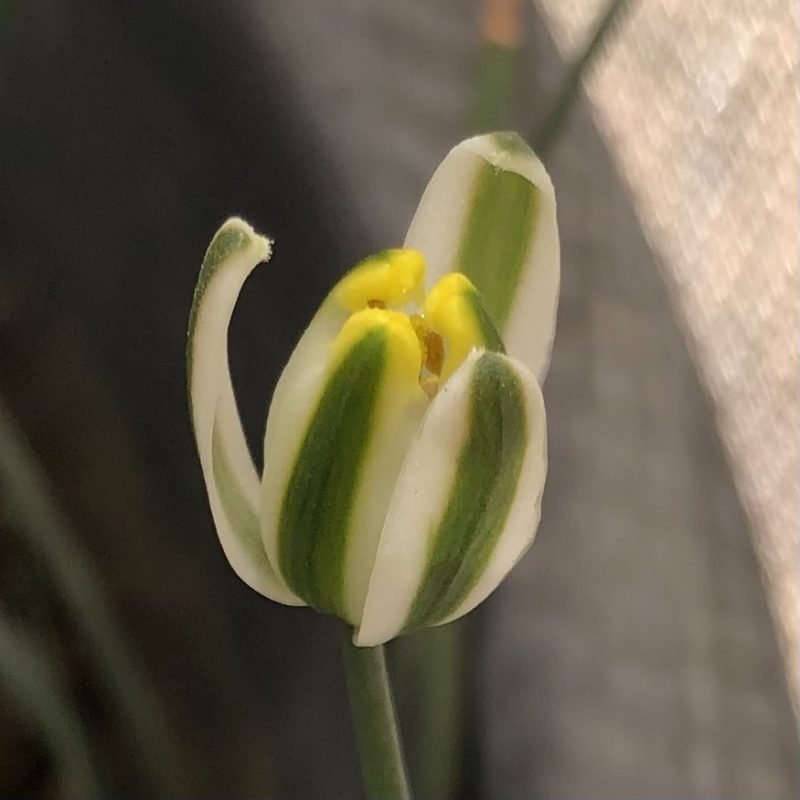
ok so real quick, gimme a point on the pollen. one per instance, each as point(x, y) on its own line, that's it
point(434, 352)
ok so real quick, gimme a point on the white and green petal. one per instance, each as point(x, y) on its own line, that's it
point(467, 501)
point(489, 211)
point(336, 439)
point(230, 476)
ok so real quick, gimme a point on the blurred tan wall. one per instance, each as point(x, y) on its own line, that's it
point(698, 105)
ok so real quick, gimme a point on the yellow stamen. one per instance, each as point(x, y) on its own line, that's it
point(393, 277)
point(449, 313)
point(444, 334)
point(403, 355)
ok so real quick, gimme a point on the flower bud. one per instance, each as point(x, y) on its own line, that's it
point(405, 451)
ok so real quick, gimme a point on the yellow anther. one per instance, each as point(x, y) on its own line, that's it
point(401, 352)
point(450, 312)
point(392, 277)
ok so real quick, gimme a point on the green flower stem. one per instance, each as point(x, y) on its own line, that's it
point(432, 662)
point(568, 91)
point(382, 765)
point(499, 30)
point(494, 88)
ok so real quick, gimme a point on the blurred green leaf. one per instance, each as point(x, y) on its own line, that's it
point(35, 691)
point(33, 513)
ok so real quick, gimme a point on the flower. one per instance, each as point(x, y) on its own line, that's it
point(405, 449)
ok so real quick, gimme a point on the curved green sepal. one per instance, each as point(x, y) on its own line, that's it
point(231, 479)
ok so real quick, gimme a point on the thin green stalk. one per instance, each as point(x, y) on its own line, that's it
point(34, 689)
point(494, 89)
point(35, 517)
point(382, 765)
point(431, 691)
point(493, 99)
point(550, 129)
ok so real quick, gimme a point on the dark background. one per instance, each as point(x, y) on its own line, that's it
point(630, 655)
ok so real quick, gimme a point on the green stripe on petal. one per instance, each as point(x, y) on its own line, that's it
point(231, 479)
point(334, 446)
point(318, 501)
point(467, 501)
point(490, 211)
point(486, 481)
point(497, 236)
point(490, 336)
